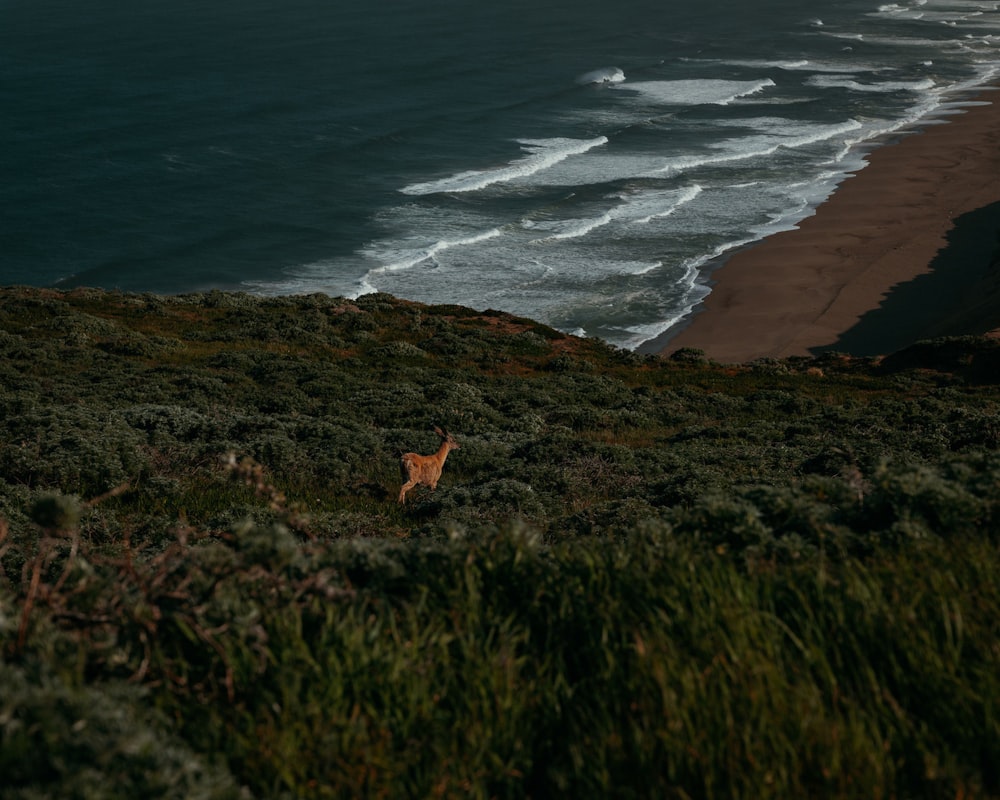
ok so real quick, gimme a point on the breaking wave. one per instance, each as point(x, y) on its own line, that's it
point(602, 75)
point(541, 155)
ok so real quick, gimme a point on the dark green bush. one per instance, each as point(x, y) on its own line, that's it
point(919, 501)
point(98, 741)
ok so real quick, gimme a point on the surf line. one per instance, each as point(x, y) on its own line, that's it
point(542, 154)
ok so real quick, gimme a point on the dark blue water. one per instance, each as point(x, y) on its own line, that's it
point(571, 161)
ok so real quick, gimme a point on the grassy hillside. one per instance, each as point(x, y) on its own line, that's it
point(637, 578)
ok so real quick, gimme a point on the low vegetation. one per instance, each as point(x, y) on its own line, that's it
point(638, 577)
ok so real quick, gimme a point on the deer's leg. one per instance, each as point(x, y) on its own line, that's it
point(405, 488)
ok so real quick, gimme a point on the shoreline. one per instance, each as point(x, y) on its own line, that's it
point(900, 251)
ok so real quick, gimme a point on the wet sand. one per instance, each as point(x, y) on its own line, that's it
point(899, 252)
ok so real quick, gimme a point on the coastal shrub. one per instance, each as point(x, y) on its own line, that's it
point(567, 363)
point(449, 344)
point(354, 524)
point(379, 301)
point(807, 519)
point(615, 518)
point(653, 578)
point(580, 418)
point(972, 429)
point(55, 512)
point(276, 449)
point(63, 740)
point(331, 450)
point(550, 448)
point(725, 524)
point(684, 484)
point(79, 328)
point(281, 400)
point(389, 406)
point(598, 471)
point(325, 391)
point(200, 389)
point(131, 344)
point(917, 501)
point(107, 528)
point(774, 402)
point(465, 407)
point(769, 366)
point(481, 458)
point(168, 423)
point(274, 546)
point(963, 355)
point(74, 448)
point(529, 343)
point(979, 474)
point(689, 355)
point(398, 351)
point(502, 498)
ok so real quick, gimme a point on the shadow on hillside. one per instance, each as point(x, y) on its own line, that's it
point(959, 296)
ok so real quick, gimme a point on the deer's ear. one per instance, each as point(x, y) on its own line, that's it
point(440, 432)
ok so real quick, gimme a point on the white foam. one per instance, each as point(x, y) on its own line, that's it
point(802, 65)
point(602, 75)
point(830, 82)
point(693, 280)
point(854, 37)
point(410, 259)
point(894, 11)
point(682, 199)
point(694, 92)
point(757, 63)
point(541, 155)
point(638, 208)
point(574, 229)
point(363, 288)
point(748, 147)
point(693, 293)
point(956, 13)
point(933, 105)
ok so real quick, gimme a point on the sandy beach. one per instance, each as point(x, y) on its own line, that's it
point(901, 251)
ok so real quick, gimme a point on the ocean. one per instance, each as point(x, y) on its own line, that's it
point(582, 163)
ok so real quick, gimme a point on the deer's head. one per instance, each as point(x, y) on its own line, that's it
point(447, 438)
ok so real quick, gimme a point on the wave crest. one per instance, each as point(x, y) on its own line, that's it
point(743, 148)
point(829, 82)
point(542, 154)
point(602, 75)
point(696, 92)
point(419, 255)
point(640, 208)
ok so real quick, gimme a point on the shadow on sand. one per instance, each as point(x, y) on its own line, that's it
point(960, 295)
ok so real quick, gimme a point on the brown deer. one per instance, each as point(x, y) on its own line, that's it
point(416, 468)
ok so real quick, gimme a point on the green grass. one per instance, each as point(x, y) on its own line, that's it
point(493, 665)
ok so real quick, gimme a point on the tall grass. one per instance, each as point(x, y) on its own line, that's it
point(489, 665)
